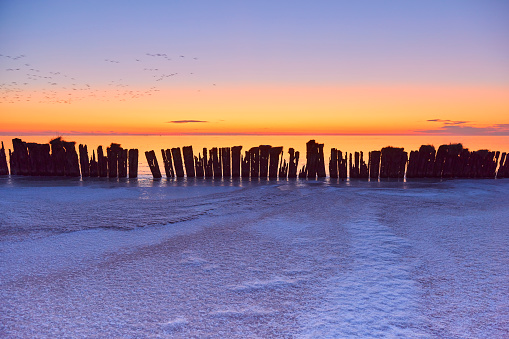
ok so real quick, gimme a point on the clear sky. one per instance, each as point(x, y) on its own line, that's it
point(256, 67)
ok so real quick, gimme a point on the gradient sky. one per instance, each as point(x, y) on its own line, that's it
point(259, 67)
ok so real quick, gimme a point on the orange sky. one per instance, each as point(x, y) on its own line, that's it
point(263, 110)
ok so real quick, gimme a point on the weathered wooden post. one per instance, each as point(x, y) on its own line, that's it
point(33, 158)
point(102, 163)
point(503, 170)
point(133, 163)
point(236, 158)
point(152, 164)
point(72, 164)
point(293, 163)
point(274, 154)
point(177, 162)
point(122, 163)
point(255, 162)
point(363, 170)
point(199, 166)
point(189, 161)
point(246, 164)
point(283, 169)
point(20, 153)
point(333, 164)
point(342, 165)
point(84, 162)
point(209, 172)
point(4, 170)
point(168, 163)
point(413, 163)
point(112, 153)
point(311, 159)
point(225, 161)
point(320, 163)
point(374, 164)
point(94, 168)
point(393, 162)
point(264, 160)
point(216, 163)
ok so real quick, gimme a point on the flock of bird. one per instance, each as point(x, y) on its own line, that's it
point(22, 82)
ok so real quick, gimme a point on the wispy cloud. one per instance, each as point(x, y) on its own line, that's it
point(184, 121)
point(452, 127)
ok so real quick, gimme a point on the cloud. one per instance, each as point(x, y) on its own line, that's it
point(184, 121)
point(451, 127)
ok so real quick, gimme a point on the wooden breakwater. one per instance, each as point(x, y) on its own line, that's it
point(59, 158)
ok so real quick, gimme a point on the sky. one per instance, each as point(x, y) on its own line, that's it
point(254, 67)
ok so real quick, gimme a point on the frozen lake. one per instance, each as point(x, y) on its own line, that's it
point(240, 259)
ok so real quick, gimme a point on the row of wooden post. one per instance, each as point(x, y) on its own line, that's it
point(59, 158)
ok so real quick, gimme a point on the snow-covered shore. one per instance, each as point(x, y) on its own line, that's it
point(237, 259)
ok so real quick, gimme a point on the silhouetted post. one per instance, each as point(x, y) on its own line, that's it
point(246, 164)
point(320, 163)
point(167, 162)
point(112, 153)
point(439, 161)
point(177, 162)
point(13, 163)
point(72, 163)
point(33, 158)
point(503, 170)
point(133, 163)
point(189, 161)
point(351, 169)
point(333, 164)
point(451, 159)
point(283, 169)
point(4, 170)
point(294, 163)
point(84, 162)
point(374, 164)
point(94, 168)
point(311, 159)
point(264, 160)
point(216, 163)
point(393, 162)
point(303, 172)
point(102, 163)
point(20, 154)
point(225, 160)
point(274, 154)
point(236, 161)
point(413, 163)
point(199, 166)
point(122, 163)
point(209, 172)
point(152, 164)
point(255, 162)
point(342, 165)
point(363, 171)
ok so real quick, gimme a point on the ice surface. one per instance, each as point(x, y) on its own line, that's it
point(234, 259)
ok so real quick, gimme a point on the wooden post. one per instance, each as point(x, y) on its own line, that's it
point(33, 159)
point(333, 164)
point(133, 163)
point(264, 160)
point(4, 170)
point(199, 166)
point(374, 164)
point(216, 163)
point(393, 162)
point(168, 163)
point(102, 163)
point(177, 162)
point(503, 169)
point(122, 163)
point(320, 164)
point(84, 162)
point(294, 163)
point(72, 164)
point(20, 154)
point(189, 161)
point(342, 165)
point(246, 164)
point(274, 154)
point(94, 168)
point(363, 170)
point(209, 172)
point(236, 159)
point(311, 159)
point(255, 162)
point(153, 165)
point(225, 162)
point(113, 152)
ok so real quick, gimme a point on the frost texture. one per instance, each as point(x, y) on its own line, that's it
point(305, 259)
